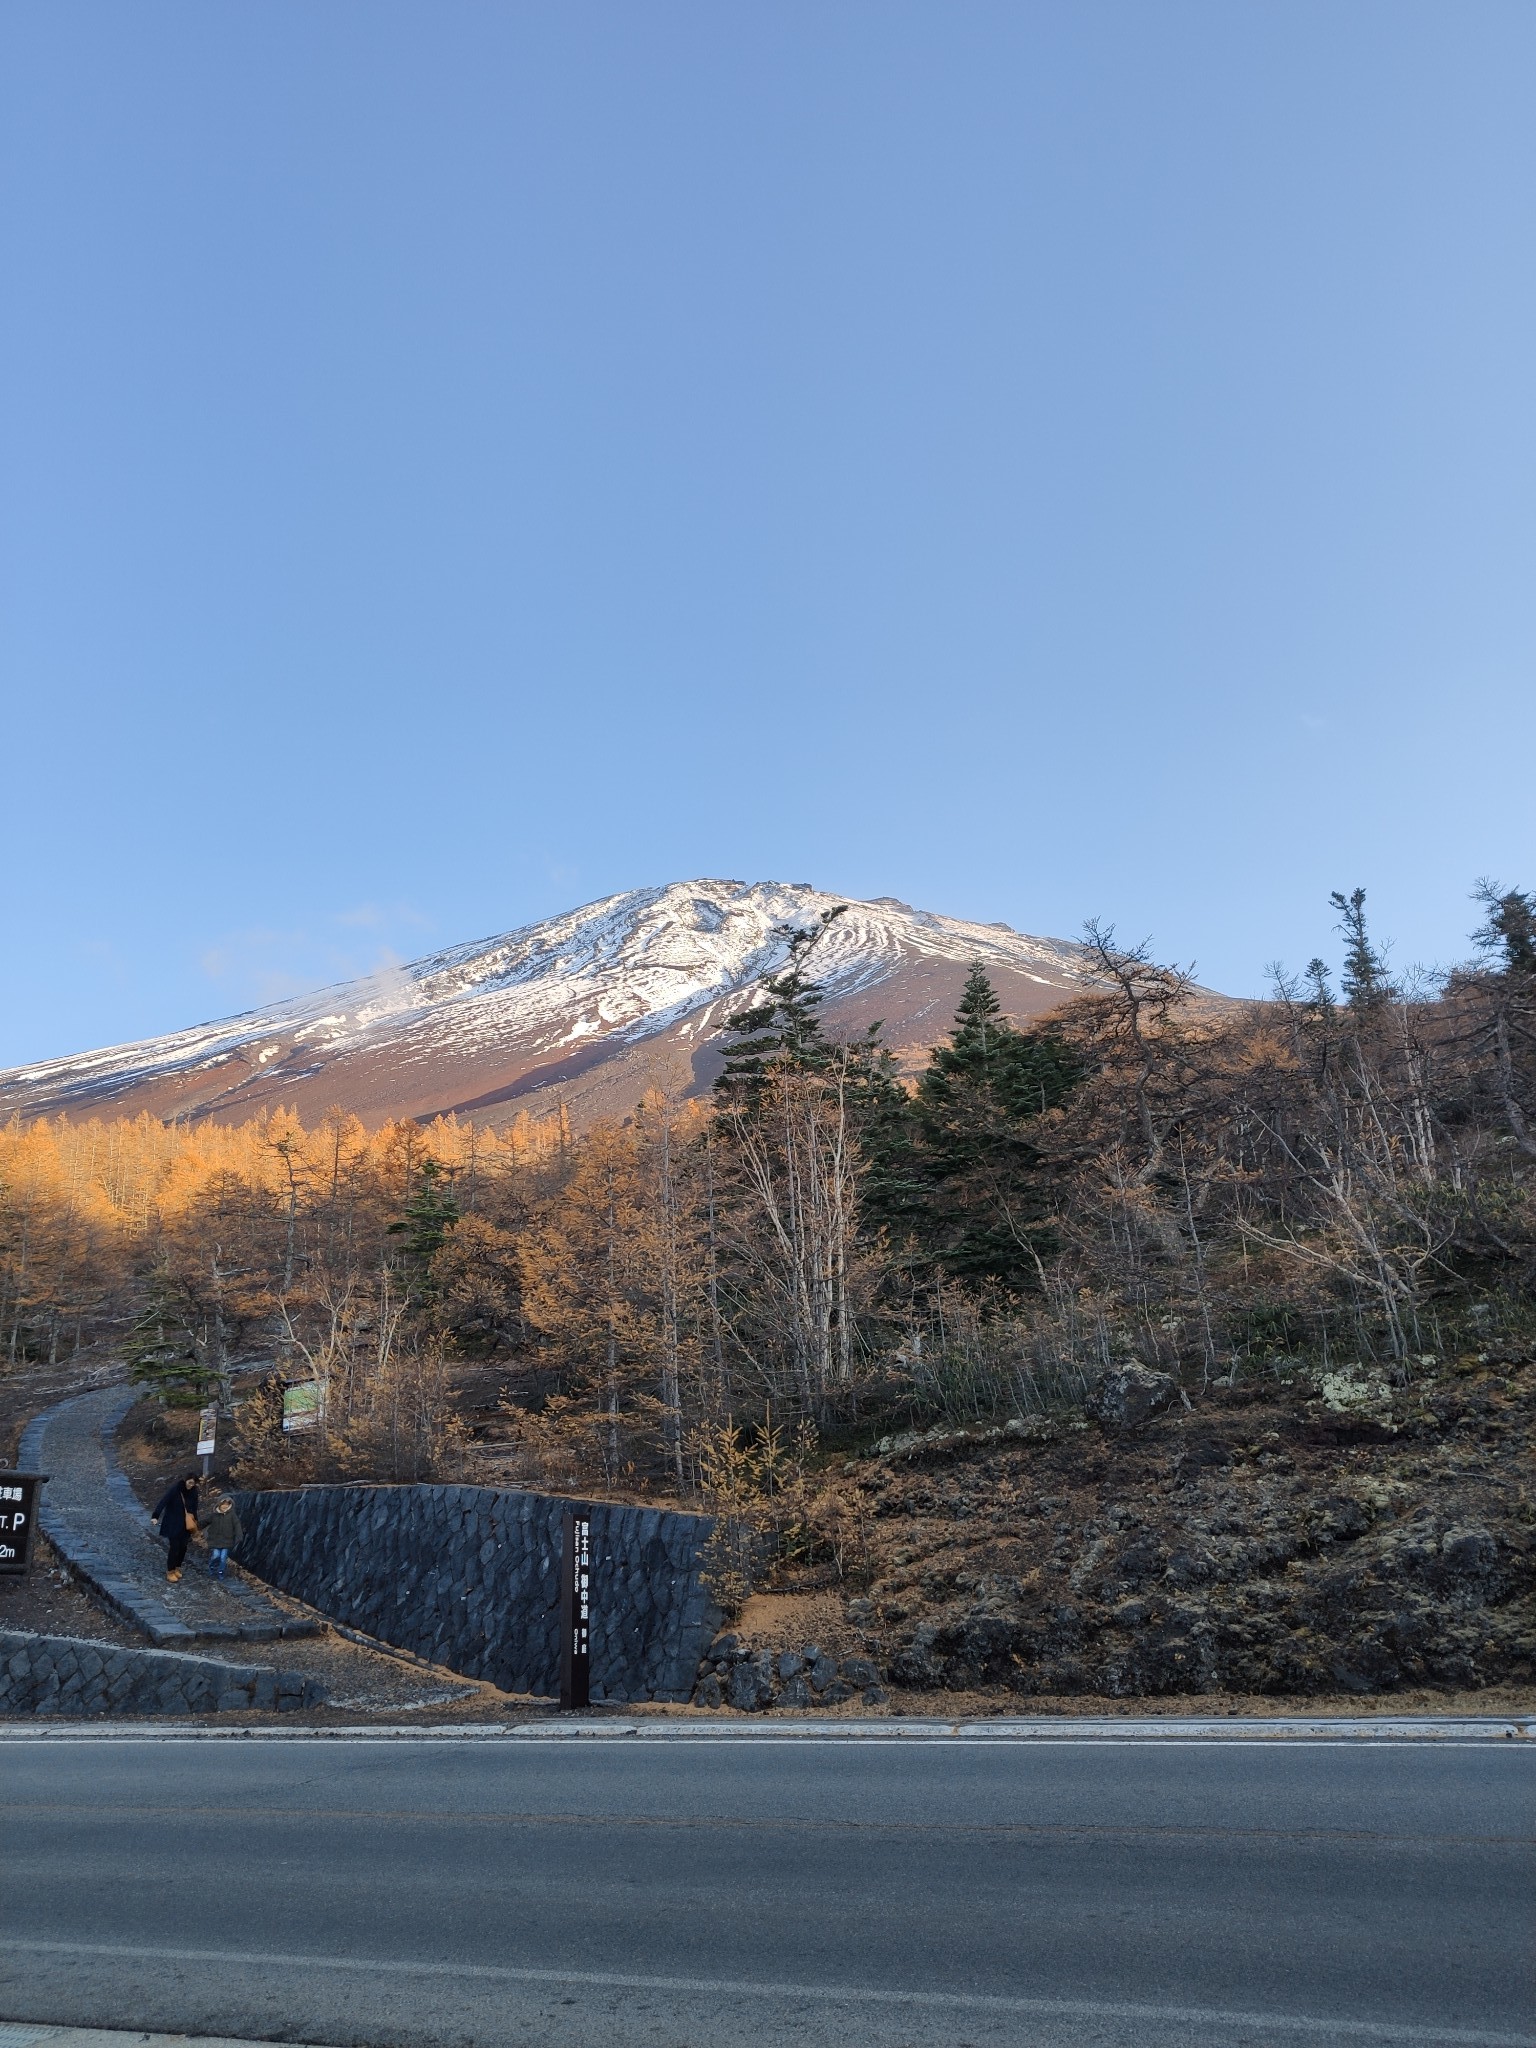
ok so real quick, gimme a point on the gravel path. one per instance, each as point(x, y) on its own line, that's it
point(91, 1515)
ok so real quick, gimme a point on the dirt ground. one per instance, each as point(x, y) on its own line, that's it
point(25, 1391)
point(779, 1621)
point(1260, 1551)
point(49, 1600)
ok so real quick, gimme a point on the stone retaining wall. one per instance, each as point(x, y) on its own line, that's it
point(469, 1577)
point(73, 1675)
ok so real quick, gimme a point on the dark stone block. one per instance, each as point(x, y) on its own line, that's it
point(750, 1686)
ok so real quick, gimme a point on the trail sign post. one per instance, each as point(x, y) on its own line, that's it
point(207, 1434)
point(18, 1517)
point(575, 1607)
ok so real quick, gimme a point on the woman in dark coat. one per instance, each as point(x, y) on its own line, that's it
point(175, 1515)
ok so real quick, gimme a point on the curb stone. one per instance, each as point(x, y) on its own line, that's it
point(1517, 1732)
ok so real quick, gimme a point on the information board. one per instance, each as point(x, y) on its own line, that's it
point(575, 1607)
point(207, 1430)
point(18, 1517)
point(304, 1405)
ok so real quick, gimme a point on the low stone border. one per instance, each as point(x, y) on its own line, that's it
point(73, 1675)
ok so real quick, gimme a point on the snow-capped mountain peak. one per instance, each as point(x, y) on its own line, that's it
point(589, 985)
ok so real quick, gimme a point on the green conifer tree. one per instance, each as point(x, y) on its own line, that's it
point(783, 1026)
point(1364, 980)
point(1319, 991)
point(1508, 934)
point(979, 1216)
point(430, 1214)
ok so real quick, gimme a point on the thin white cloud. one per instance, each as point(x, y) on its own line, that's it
point(259, 965)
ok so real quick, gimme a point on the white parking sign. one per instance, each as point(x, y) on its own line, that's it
point(18, 1518)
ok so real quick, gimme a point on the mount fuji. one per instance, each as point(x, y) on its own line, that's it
point(590, 1008)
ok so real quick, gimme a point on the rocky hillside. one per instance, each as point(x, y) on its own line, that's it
point(1354, 1539)
point(591, 1008)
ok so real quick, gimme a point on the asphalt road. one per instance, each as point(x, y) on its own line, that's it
point(727, 1894)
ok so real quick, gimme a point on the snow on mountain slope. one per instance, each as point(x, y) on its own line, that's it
point(504, 1019)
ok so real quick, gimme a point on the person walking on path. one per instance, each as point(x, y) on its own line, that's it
point(175, 1515)
point(223, 1532)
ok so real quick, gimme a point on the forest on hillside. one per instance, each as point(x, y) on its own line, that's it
point(1333, 1181)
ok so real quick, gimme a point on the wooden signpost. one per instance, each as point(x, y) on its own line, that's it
point(18, 1517)
point(207, 1435)
point(575, 1607)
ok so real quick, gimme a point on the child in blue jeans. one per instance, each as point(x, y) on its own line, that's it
point(223, 1532)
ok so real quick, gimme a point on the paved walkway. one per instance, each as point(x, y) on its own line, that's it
point(90, 1514)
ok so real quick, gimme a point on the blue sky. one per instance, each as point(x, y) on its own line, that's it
point(1033, 460)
